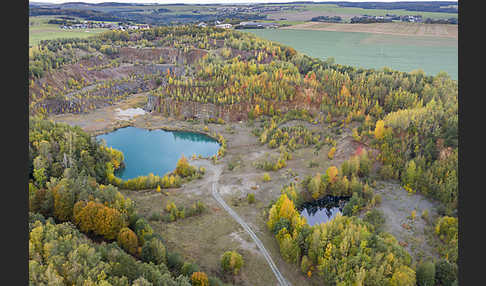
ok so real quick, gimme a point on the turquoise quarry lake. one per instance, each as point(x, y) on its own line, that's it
point(156, 151)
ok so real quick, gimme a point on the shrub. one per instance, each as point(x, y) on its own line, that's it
point(386, 172)
point(183, 168)
point(215, 281)
point(447, 228)
point(331, 153)
point(143, 228)
point(425, 274)
point(305, 264)
point(445, 273)
point(377, 199)
point(127, 239)
point(189, 268)
point(154, 251)
point(231, 261)
point(266, 177)
point(425, 215)
point(413, 214)
point(199, 279)
point(155, 216)
point(251, 198)
point(376, 218)
point(175, 261)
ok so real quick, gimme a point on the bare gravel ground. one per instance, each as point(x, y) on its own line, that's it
point(397, 205)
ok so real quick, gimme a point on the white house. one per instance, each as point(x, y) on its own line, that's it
point(224, 26)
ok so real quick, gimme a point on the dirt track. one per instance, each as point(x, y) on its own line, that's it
point(399, 29)
point(282, 281)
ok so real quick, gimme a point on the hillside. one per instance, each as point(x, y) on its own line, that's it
point(315, 128)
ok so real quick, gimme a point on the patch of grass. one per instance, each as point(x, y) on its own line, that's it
point(39, 30)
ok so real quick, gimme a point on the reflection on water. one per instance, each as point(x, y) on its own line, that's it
point(191, 136)
point(322, 210)
point(156, 151)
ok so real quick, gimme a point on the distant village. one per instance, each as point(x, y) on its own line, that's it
point(404, 18)
point(252, 9)
point(242, 25)
point(69, 25)
point(111, 26)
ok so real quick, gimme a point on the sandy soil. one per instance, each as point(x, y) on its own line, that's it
point(106, 118)
point(399, 29)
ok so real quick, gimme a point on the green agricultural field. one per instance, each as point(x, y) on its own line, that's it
point(403, 53)
point(332, 9)
point(40, 30)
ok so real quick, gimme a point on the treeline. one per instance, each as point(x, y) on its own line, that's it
point(61, 255)
point(93, 15)
point(441, 21)
point(184, 172)
point(327, 19)
point(55, 147)
point(430, 6)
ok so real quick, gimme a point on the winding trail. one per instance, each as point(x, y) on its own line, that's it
point(281, 280)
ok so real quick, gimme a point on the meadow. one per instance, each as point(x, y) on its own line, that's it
point(335, 9)
point(403, 53)
point(39, 30)
point(305, 12)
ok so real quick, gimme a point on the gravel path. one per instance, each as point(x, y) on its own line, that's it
point(215, 178)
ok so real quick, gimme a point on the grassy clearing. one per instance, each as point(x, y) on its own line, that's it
point(204, 238)
point(40, 30)
point(335, 9)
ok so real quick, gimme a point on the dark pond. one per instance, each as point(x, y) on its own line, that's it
point(322, 210)
point(156, 151)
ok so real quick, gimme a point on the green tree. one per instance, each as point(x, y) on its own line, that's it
point(231, 261)
point(425, 274)
point(128, 240)
point(143, 229)
point(445, 273)
point(189, 268)
point(154, 251)
point(251, 198)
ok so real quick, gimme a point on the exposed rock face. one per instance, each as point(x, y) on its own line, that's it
point(202, 111)
point(196, 110)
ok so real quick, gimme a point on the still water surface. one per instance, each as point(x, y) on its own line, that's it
point(322, 210)
point(156, 151)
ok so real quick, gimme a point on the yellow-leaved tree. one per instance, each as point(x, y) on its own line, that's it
point(379, 129)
